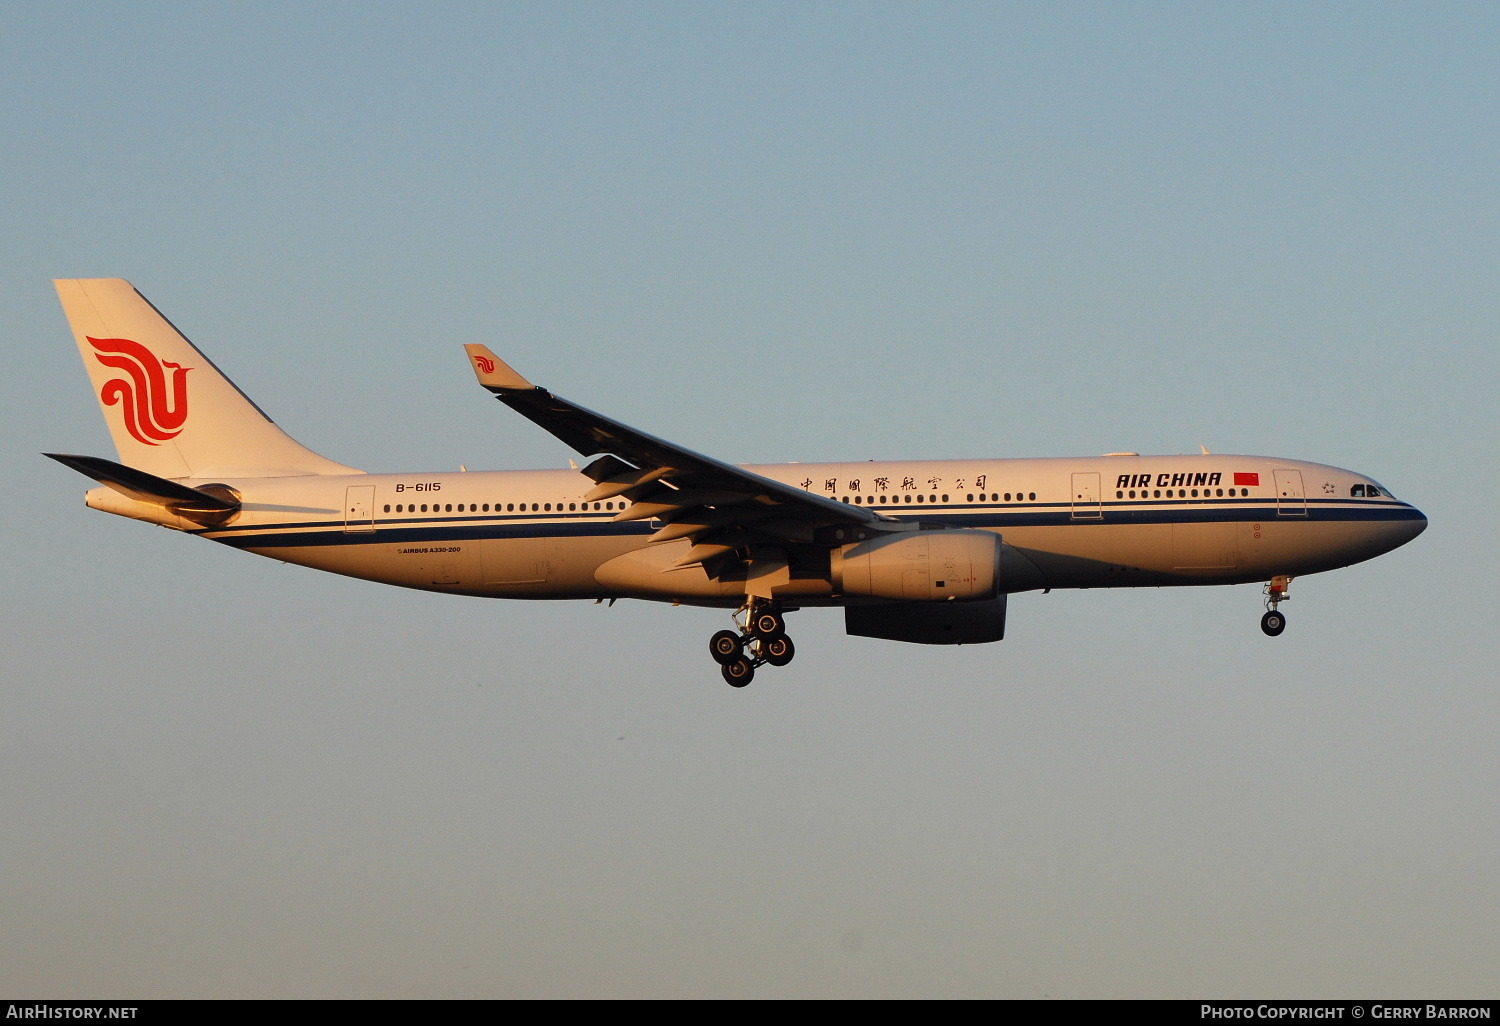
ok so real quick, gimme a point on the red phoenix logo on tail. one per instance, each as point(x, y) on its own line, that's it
point(485, 364)
point(154, 410)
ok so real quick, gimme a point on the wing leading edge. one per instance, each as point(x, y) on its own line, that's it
point(729, 513)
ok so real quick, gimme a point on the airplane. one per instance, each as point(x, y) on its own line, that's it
point(916, 551)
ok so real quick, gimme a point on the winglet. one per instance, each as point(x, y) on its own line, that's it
point(493, 372)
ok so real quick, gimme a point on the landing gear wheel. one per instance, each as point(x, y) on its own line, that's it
point(726, 647)
point(739, 672)
point(767, 623)
point(777, 649)
point(1273, 623)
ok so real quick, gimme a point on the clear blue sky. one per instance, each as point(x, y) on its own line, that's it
point(771, 232)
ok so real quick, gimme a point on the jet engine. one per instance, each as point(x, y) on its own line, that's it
point(930, 623)
point(920, 566)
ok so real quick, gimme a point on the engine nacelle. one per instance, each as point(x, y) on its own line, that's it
point(930, 623)
point(920, 566)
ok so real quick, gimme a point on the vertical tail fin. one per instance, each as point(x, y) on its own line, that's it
point(171, 411)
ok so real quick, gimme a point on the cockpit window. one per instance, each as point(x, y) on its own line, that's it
point(1358, 491)
point(1367, 491)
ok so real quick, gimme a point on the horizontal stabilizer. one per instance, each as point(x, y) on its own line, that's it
point(192, 503)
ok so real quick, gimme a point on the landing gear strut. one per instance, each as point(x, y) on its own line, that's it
point(761, 640)
point(1277, 592)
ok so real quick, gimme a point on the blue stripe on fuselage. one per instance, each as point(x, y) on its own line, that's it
point(978, 515)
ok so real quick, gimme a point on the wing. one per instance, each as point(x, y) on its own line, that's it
point(730, 514)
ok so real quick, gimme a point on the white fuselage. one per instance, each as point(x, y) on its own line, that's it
point(1110, 521)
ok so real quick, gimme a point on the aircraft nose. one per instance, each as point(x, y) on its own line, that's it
point(1400, 525)
point(1409, 528)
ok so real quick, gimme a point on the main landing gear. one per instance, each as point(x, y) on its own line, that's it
point(1273, 623)
point(760, 640)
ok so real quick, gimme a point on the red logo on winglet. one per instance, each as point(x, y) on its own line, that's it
point(486, 365)
point(154, 411)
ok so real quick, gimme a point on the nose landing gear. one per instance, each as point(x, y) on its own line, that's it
point(761, 640)
point(1273, 623)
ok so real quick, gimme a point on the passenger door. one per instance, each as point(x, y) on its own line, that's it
point(1290, 502)
point(1086, 505)
point(359, 509)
